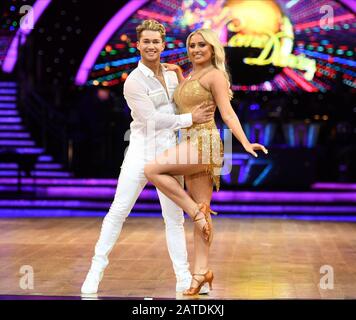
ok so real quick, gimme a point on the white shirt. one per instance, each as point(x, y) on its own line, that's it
point(153, 112)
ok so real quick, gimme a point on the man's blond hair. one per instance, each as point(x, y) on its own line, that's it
point(151, 25)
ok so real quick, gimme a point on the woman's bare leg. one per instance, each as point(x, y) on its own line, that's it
point(173, 162)
point(200, 188)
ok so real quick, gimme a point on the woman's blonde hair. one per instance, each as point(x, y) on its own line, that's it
point(218, 57)
point(151, 25)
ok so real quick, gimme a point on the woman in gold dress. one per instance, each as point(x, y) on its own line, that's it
point(199, 154)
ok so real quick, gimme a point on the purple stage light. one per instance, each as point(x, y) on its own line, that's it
point(334, 185)
point(60, 213)
point(29, 150)
point(17, 143)
point(350, 3)
point(10, 120)
point(8, 166)
point(8, 84)
point(15, 135)
point(11, 127)
point(45, 158)
point(84, 204)
point(8, 91)
point(48, 166)
point(50, 174)
point(104, 36)
point(9, 113)
point(63, 182)
point(280, 196)
point(221, 196)
point(8, 105)
point(7, 98)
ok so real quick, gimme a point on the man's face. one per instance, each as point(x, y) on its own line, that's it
point(150, 45)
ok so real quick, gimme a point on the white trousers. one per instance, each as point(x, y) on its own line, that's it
point(131, 182)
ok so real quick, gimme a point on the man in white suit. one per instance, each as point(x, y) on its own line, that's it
point(148, 91)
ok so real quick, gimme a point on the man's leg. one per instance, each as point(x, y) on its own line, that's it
point(175, 237)
point(131, 183)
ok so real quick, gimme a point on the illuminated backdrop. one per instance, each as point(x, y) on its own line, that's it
point(286, 45)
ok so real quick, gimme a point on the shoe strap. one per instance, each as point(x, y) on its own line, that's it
point(208, 208)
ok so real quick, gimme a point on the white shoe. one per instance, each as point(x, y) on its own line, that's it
point(91, 283)
point(185, 285)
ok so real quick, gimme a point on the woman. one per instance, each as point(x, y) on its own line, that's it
point(201, 143)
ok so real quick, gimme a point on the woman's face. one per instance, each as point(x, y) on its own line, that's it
point(199, 51)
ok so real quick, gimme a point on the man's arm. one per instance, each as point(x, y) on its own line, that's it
point(143, 107)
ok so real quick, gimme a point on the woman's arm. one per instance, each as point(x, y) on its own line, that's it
point(219, 88)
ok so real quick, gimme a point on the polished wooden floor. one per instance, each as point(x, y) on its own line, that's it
point(251, 258)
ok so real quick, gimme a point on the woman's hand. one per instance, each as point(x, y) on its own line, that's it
point(252, 147)
point(177, 69)
point(171, 67)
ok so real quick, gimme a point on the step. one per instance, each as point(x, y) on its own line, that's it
point(29, 150)
point(17, 143)
point(8, 91)
point(8, 98)
point(49, 166)
point(35, 173)
point(40, 166)
point(8, 113)
point(15, 135)
point(12, 127)
point(218, 197)
point(45, 158)
point(9, 105)
point(8, 84)
point(10, 120)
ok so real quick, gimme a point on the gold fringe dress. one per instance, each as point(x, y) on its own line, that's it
point(205, 136)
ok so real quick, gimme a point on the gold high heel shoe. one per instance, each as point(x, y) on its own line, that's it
point(208, 278)
point(207, 230)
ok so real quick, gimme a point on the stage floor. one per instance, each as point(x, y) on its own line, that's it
point(251, 258)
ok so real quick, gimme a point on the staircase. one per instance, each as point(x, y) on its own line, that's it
point(16, 142)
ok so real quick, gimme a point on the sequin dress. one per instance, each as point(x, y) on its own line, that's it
point(205, 137)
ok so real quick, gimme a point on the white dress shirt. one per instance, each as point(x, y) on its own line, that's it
point(153, 112)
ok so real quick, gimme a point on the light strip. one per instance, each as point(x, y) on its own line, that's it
point(327, 57)
point(300, 80)
point(104, 36)
point(351, 4)
point(154, 15)
point(291, 3)
point(234, 208)
point(11, 56)
point(334, 186)
point(52, 213)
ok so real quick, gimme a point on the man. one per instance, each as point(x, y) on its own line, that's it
point(148, 91)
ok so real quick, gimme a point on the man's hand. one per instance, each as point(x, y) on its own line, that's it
point(204, 112)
